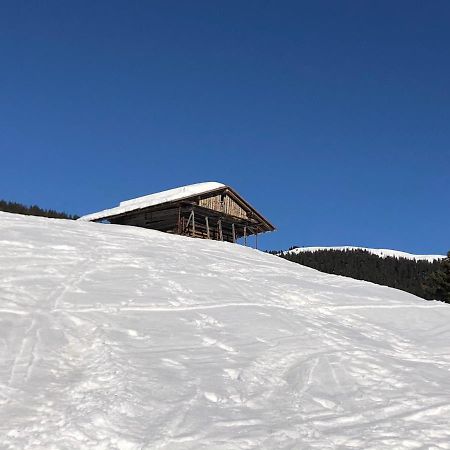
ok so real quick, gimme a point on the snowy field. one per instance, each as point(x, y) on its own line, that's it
point(114, 337)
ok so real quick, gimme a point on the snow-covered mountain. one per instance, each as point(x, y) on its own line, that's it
point(381, 252)
point(115, 337)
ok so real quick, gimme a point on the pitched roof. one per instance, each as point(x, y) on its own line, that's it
point(155, 199)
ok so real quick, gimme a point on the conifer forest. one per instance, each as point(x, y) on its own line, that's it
point(419, 277)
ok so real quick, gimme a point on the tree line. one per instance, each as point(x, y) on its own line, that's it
point(34, 210)
point(429, 280)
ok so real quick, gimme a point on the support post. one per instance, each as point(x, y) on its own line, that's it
point(234, 233)
point(256, 240)
point(245, 236)
point(186, 227)
point(179, 221)
point(193, 223)
point(219, 224)
point(208, 234)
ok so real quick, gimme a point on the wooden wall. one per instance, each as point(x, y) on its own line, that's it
point(224, 204)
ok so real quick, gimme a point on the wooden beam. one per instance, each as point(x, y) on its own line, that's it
point(208, 234)
point(219, 225)
point(186, 227)
point(234, 232)
point(193, 223)
point(245, 235)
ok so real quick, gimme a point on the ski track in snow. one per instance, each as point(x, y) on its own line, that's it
point(115, 337)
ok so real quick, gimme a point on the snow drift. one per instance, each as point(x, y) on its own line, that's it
point(122, 338)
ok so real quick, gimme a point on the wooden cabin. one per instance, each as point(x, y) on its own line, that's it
point(205, 210)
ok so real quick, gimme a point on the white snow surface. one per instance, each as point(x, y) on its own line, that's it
point(155, 199)
point(381, 252)
point(115, 337)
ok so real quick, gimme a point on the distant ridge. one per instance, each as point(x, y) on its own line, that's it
point(381, 252)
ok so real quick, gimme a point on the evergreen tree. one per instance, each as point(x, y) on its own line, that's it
point(437, 284)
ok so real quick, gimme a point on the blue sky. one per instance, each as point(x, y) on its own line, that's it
point(332, 118)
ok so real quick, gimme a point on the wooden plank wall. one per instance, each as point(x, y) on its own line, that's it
point(227, 206)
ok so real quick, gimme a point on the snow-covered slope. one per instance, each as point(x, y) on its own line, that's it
point(381, 252)
point(115, 337)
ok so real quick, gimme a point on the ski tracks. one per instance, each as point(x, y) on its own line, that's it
point(28, 352)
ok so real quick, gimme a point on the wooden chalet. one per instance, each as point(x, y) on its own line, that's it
point(204, 210)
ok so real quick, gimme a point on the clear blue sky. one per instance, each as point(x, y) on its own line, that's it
point(332, 118)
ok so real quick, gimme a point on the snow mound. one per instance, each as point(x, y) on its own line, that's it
point(116, 337)
point(381, 252)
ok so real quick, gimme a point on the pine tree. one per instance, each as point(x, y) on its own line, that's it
point(437, 285)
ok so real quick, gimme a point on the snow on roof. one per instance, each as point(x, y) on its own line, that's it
point(155, 199)
point(381, 252)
